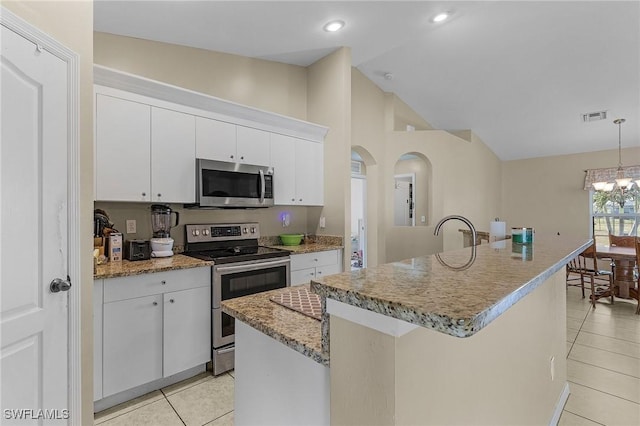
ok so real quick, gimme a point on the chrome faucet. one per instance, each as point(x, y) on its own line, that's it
point(460, 218)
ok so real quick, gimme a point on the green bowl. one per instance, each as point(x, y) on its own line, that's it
point(291, 239)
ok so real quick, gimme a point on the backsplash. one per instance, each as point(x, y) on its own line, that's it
point(301, 219)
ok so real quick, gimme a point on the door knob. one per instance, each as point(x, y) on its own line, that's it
point(58, 285)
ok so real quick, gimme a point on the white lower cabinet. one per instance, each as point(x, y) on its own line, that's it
point(187, 329)
point(307, 266)
point(159, 327)
point(132, 343)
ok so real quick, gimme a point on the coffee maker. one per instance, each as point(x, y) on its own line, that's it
point(162, 243)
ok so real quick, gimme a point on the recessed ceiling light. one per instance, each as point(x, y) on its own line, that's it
point(333, 26)
point(440, 17)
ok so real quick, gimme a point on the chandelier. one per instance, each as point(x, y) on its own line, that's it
point(620, 187)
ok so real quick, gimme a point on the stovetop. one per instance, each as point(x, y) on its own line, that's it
point(237, 254)
point(227, 243)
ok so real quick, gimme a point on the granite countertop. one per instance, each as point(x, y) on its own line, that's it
point(295, 330)
point(319, 243)
point(459, 302)
point(127, 268)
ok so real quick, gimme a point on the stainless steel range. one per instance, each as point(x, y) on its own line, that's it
point(241, 267)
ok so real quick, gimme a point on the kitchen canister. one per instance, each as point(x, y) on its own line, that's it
point(521, 251)
point(522, 235)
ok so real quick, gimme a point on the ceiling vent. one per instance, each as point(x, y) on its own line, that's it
point(594, 116)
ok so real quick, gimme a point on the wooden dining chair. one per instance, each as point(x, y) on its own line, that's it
point(622, 240)
point(586, 265)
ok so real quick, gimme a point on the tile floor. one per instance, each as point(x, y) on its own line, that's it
point(603, 367)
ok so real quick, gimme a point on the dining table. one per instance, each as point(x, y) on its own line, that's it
point(624, 259)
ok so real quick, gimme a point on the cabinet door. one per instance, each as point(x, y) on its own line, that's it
point(283, 160)
point(215, 140)
point(173, 153)
point(303, 276)
point(309, 173)
point(132, 343)
point(122, 148)
point(253, 146)
point(187, 329)
point(323, 271)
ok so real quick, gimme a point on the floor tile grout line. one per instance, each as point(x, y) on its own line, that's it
point(219, 417)
point(607, 369)
point(606, 393)
point(583, 417)
point(174, 408)
point(133, 409)
point(607, 335)
point(606, 350)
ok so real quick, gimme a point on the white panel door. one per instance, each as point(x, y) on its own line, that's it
point(187, 329)
point(123, 144)
point(33, 230)
point(173, 153)
point(283, 161)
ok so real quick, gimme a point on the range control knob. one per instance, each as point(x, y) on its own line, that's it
point(195, 232)
point(253, 229)
point(244, 230)
point(205, 232)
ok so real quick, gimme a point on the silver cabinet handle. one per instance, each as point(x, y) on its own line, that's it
point(232, 156)
point(171, 300)
point(163, 282)
point(155, 303)
point(159, 195)
point(144, 194)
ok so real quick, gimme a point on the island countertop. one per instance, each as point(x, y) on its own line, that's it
point(449, 293)
point(293, 329)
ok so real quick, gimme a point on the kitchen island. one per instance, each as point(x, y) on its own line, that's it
point(440, 340)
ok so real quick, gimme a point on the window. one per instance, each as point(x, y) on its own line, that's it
point(614, 213)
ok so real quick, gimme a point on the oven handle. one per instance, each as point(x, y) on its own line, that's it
point(251, 266)
point(262, 186)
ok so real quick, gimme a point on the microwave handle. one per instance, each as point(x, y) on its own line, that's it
point(262, 186)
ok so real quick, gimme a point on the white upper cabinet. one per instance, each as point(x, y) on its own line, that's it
point(173, 150)
point(123, 142)
point(215, 140)
point(143, 153)
point(253, 146)
point(297, 171)
point(218, 140)
point(309, 167)
point(283, 158)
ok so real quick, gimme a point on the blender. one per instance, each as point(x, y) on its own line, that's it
point(162, 243)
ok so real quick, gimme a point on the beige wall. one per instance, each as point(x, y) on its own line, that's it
point(267, 85)
point(71, 23)
point(465, 181)
point(499, 376)
point(547, 193)
point(329, 104)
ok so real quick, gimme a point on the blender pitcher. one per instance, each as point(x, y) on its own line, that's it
point(162, 243)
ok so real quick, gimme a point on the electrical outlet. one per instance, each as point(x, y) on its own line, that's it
point(131, 226)
point(323, 223)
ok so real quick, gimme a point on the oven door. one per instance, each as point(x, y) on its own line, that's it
point(222, 184)
point(241, 279)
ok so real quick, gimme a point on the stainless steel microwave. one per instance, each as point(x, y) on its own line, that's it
point(232, 185)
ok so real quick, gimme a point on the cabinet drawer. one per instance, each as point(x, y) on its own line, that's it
point(312, 260)
point(123, 288)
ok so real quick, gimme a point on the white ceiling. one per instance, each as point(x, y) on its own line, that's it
point(519, 74)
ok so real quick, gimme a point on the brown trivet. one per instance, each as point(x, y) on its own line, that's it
point(300, 300)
